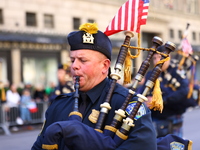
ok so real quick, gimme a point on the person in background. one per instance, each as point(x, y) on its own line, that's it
point(29, 87)
point(20, 88)
point(39, 94)
point(50, 88)
point(90, 54)
point(24, 110)
point(65, 84)
point(174, 93)
point(12, 103)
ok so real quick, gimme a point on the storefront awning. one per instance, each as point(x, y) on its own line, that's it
point(33, 38)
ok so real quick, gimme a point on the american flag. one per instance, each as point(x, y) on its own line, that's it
point(129, 17)
point(186, 47)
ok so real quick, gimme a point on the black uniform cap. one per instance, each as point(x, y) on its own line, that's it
point(89, 37)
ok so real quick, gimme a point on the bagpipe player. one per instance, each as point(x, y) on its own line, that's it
point(90, 53)
point(174, 89)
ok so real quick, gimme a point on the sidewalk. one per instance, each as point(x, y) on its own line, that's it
point(21, 128)
point(21, 140)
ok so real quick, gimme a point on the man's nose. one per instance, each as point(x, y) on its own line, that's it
point(75, 65)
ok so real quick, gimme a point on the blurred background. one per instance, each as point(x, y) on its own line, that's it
point(33, 33)
point(33, 39)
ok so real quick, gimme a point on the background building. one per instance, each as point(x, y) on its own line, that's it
point(33, 33)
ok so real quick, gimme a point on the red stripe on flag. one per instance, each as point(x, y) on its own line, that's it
point(133, 15)
point(119, 19)
point(130, 16)
point(140, 14)
point(126, 16)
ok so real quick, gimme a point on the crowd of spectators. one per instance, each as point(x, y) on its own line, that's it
point(19, 102)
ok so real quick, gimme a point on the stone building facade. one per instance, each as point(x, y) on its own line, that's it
point(33, 33)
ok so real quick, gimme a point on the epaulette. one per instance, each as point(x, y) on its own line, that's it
point(121, 91)
point(59, 97)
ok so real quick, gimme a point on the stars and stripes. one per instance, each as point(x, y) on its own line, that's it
point(129, 17)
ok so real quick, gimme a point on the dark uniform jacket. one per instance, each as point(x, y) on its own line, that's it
point(141, 137)
point(174, 93)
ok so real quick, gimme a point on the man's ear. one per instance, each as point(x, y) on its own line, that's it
point(106, 65)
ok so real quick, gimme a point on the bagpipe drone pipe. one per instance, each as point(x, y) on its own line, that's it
point(79, 136)
point(178, 72)
point(185, 60)
point(187, 69)
point(183, 67)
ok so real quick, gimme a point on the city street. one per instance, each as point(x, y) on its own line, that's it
point(23, 140)
point(191, 127)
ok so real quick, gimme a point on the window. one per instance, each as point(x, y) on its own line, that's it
point(1, 16)
point(91, 20)
point(171, 33)
point(3, 69)
point(31, 19)
point(180, 34)
point(76, 23)
point(48, 21)
point(37, 70)
point(194, 36)
point(193, 6)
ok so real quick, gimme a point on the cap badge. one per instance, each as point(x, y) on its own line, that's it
point(88, 38)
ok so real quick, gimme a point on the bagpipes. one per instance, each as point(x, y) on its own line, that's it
point(187, 69)
point(73, 131)
point(185, 62)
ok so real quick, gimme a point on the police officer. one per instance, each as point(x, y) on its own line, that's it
point(174, 87)
point(65, 84)
point(90, 53)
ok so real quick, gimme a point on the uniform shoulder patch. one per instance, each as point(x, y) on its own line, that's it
point(141, 111)
point(177, 146)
